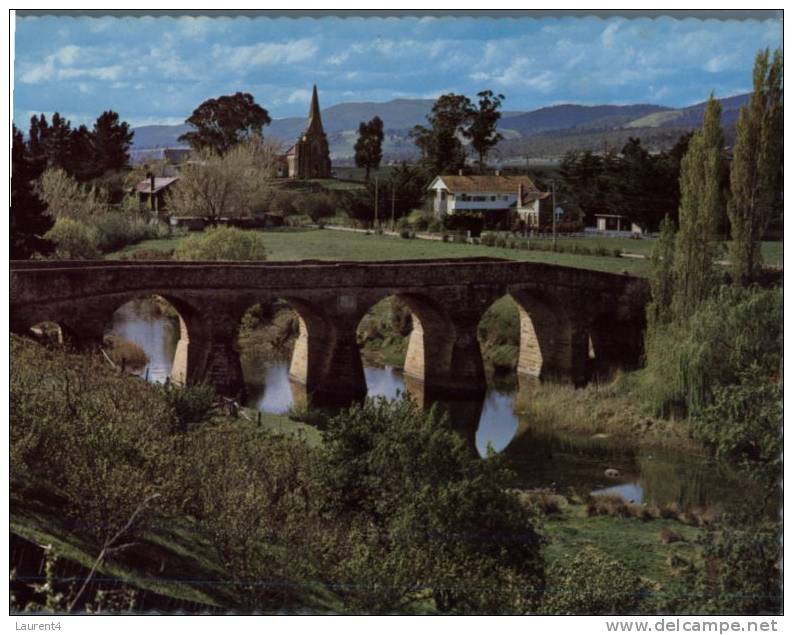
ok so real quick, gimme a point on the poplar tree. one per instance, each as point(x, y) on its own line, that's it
point(662, 282)
point(701, 208)
point(755, 170)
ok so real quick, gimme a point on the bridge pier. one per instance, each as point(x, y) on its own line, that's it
point(208, 354)
point(342, 381)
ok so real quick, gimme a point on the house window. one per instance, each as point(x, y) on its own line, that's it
point(492, 198)
point(479, 199)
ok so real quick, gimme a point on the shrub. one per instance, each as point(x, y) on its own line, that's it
point(744, 423)
point(405, 233)
point(399, 485)
point(104, 438)
point(500, 242)
point(315, 205)
point(435, 225)
point(189, 404)
point(591, 583)
point(281, 203)
point(117, 229)
point(223, 243)
point(74, 240)
point(739, 575)
point(732, 331)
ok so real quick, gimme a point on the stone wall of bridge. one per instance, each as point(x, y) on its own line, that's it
point(562, 311)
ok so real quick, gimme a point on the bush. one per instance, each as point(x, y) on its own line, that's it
point(281, 203)
point(407, 506)
point(739, 575)
point(315, 205)
point(189, 404)
point(223, 243)
point(104, 438)
point(117, 229)
point(74, 240)
point(732, 331)
point(591, 583)
point(744, 424)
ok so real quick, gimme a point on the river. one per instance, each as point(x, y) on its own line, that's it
point(540, 457)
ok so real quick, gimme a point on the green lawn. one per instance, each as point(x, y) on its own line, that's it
point(327, 244)
point(307, 244)
point(772, 250)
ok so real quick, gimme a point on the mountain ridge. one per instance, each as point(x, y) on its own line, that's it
point(400, 115)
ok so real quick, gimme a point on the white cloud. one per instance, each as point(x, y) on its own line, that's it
point(67, 55)
point(265, 53)
point(104, 73)
point(299, 96)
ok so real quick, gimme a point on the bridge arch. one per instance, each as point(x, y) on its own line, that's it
point(430, 335)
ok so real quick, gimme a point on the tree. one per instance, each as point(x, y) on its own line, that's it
point(29, 219)
point(51, 143)
point(66, 198)
point(369, 147)
point(221, 123)
point(442, 152)
point(111, 140)
point(229, 186)
point(701, 208)
point(410, 513)
point(482, 127)
point(662, 276)
point(755, 170)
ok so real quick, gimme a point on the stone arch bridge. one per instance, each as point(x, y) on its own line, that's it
point(568, 317)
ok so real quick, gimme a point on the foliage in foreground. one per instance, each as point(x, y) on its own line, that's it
point(591, 583)
point(391, 513)
point(740, 574)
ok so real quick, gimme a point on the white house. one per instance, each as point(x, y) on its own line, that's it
point(491, 194)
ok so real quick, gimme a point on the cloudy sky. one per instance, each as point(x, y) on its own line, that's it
point(157, 70)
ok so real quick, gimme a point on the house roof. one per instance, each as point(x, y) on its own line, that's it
point(485, 183)
point(160, 183)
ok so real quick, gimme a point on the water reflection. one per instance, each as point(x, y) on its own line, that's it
point(142, 322)
point(540, 457)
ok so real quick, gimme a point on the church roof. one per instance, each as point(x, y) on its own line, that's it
point(314, 119)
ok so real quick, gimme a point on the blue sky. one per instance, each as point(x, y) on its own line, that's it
point(157, 70)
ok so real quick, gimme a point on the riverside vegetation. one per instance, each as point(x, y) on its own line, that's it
point(274, 519)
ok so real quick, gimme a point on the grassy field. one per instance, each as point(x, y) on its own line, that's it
point(315, 244)
point(308, 244)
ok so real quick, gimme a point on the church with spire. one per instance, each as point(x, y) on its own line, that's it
point(309, 158)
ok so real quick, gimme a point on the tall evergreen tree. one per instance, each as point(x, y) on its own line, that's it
point(701, 209)
point(442, 152)
point(29, 221)
point(111, 139)
point(662, 282)
point(755, 170)
point(369, 147)
point(482, 127)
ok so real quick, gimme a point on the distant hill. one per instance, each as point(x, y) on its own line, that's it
point(572, 126)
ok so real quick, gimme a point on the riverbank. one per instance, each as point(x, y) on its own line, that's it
point(602, 409)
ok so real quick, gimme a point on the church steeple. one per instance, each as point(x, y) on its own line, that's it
point(314, 120)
